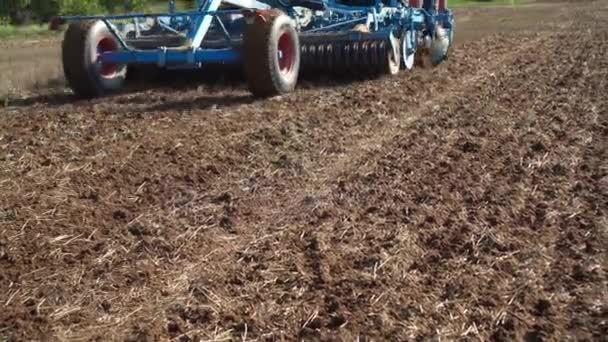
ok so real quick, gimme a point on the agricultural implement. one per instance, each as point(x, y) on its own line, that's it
point(274, 41)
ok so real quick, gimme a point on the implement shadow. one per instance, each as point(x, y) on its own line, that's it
point(226, 86)
point(140, 79)
point(219, 85)
point(51, 98)
point(202, 102)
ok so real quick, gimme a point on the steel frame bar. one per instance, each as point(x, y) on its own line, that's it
point(203, 22)
point(338, 24)
point(190, 14)
point(166, 56)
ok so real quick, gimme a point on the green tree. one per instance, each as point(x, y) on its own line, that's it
point(45, 9)
point(76, 7)
point(191, 3)
point(114, 6)
point(18, 11)
point(13, 10)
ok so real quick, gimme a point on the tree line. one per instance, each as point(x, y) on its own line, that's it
point(19, 12)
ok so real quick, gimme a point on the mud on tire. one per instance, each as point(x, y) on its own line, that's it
point(82, 44)
point(272, 53)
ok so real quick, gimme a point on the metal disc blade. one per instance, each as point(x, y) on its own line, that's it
point(408, 61)
point(409, 50)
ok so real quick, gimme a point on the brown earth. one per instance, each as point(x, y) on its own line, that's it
point(464, 202)
point(28, 67)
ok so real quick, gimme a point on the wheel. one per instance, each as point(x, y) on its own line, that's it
point(393, 62)
point(272, 53)
point(83, 43)
point(408, 49)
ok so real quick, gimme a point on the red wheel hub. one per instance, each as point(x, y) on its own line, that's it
point(287, 53)
point(106, 44)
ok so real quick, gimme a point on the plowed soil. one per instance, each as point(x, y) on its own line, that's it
point(468, 201)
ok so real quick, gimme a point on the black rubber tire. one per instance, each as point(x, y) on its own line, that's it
point(261, 61)
point(79, 55)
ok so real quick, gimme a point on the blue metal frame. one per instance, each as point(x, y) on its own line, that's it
point(384, 20)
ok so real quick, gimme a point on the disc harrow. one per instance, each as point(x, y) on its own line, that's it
point(274, 40)
point(368, 55)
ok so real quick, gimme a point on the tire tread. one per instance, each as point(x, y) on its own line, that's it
point(74, 59)
point(262, 78)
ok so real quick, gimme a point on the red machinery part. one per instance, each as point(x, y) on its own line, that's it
point(415, 3)
point(107, 44)
point(442, 5)
point(286, 47)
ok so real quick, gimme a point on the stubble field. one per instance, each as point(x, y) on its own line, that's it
point(464, 202)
